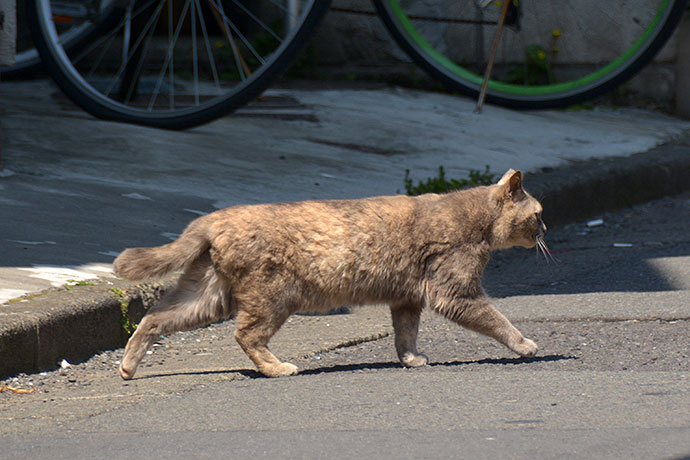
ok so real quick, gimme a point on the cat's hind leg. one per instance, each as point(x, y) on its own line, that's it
point(406, 327)
point(255, 326)
point(200, 298)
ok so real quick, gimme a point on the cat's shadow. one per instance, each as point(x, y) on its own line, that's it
point(252, 374)
point(397, 365)
point(506, 361)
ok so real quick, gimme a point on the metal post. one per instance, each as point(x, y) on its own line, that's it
point(293, 14)
point(492, 56)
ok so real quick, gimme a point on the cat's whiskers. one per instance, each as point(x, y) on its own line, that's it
point(544, 249)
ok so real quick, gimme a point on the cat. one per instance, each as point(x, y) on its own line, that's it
point(261, 263)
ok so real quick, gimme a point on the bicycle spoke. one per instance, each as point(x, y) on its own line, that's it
point(142, 59)
point(242, 67)
point(109, 36)
point(195, 64)
point(257, 20)
point(211, 60)
point(101, 55)
point(242, 37)
point(154, 18)
point(169, 55)
point(106, 41)
point(127, 32)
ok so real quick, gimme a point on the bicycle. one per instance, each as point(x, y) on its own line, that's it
point(181, 63)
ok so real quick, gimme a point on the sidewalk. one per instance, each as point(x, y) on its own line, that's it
point(75, 191)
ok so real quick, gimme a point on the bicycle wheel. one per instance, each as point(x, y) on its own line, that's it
point(551, 54)
point(176, 64)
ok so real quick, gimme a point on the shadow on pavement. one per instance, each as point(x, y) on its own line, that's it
point(508, 361)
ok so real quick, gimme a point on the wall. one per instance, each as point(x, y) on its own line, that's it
point(7, 31)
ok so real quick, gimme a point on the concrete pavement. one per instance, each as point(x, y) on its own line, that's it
point(75, 191)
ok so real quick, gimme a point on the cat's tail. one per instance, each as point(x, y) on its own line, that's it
point(141, 263)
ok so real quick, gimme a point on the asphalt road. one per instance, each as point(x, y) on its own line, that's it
point(611, 380)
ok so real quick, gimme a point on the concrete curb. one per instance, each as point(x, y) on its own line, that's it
point(35, 334)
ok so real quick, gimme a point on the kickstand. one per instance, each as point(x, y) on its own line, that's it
point(492, 56)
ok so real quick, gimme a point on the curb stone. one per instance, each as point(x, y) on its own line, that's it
point(36, 333)
point(39, 331)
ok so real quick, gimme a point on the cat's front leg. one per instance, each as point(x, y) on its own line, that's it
point(406, 327)
point(480, 316)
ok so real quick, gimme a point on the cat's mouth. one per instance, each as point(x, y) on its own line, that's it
point(541, 244)
point(541, 229)
point(539, 233)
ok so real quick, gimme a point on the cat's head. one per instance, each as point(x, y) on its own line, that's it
point(519, 221)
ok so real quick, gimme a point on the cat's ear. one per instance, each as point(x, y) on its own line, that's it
point(512, 183)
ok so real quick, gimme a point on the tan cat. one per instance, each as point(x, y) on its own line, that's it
point(262, 263)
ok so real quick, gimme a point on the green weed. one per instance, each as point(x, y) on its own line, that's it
point(128, 325)
point(71, 283)
point(26, 297)
point(442, 185)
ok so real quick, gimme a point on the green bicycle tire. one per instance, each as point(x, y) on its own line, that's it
point(462, 80)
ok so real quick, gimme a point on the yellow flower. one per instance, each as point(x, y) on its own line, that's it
point(541, 55)
point(554, 49)
point(556, 32)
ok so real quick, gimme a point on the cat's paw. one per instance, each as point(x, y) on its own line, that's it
point(412, 360)
point(126, 374)
point(280, 370)
point(526, 348)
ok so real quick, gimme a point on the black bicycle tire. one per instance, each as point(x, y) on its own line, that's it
point(184, 121)
point(455, 85)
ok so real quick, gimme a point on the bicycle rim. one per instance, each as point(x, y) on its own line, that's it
point(561, 53)
point(177, 63)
